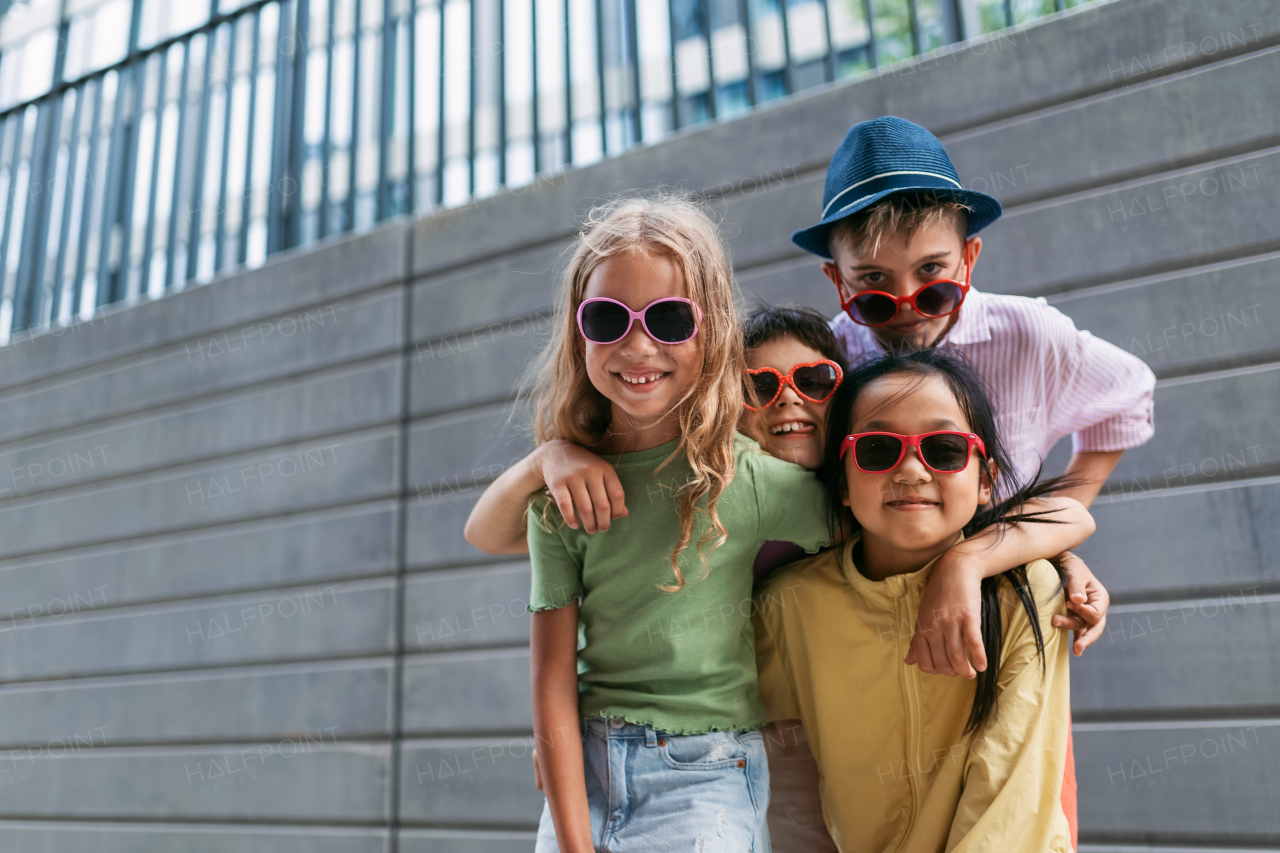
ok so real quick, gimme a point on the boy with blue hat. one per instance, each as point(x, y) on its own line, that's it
point(897, 240)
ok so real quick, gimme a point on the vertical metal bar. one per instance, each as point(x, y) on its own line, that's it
point(713, 88)
point(411, 98)
point(386, 124)
point(64, 230)
point(788, 69)
point(16, 123)
point(353, 146)
point(197, 179)
point(537, 124)
point(913, 19)
point(633, 48)
point(873, 58)
point(603, 95)
point(137, 94)
point(473, 99)
point(1008, 13)
point(440, 134)
point(90, 194)
point(1060, 5)
point(176, 196)
point(671, 58)
point(28, 293)
point(111, 201)
point(568, 87)
point(246, 200)
point(502, 92)
point(277, 239)
point(148, 240)
point(326, 146)
point(296, 139)
point(953, 20)
point(219, 229)
point(829, 66)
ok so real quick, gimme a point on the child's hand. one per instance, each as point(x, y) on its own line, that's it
point(950, 621)
point(577, 478)
point(1087, 601)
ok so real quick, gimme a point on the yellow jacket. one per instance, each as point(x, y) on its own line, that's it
point(896, 774)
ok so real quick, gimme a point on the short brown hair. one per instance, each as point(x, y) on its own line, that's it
point(901, 213)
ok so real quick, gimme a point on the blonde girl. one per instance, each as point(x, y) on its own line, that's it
point(647, 728)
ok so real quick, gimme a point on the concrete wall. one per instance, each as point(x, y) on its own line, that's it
point(240, 612)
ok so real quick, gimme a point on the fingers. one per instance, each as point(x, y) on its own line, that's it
point(599, 504)
point(617, 497)
point(920, 653)
point(582, 502)
point(1088, 636)
point(1070, 623)
point(973, 641)
point(564, 503)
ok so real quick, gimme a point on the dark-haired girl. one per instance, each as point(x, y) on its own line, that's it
point(909, 761)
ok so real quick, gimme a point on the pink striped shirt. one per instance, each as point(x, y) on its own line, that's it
point(1048, 379)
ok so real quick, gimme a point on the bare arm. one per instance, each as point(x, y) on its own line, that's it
point(556, 727)
point(1091, 468)
point(576, 477)
point(950, 618)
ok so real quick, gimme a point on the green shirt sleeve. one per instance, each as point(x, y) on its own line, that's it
point(792, 504)
point(557, 571)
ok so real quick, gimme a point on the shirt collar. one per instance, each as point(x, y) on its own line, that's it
point(894, 586)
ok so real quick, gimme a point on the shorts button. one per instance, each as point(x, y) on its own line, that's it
point(662, 741)
point(741, 763)
point(617, 723)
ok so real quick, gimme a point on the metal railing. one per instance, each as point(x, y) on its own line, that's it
point(285, 121)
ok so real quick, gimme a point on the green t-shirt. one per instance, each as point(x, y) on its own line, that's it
point(683, 662)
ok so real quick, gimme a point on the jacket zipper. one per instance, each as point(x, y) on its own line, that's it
point(911, 698)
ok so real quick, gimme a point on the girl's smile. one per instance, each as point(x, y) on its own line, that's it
point(643, 379)
point(910, 514)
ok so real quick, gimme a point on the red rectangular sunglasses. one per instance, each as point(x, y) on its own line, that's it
point(945, 451)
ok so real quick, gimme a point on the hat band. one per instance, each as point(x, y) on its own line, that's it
point(884, 181)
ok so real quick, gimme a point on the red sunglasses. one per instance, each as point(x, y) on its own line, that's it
point(815, 381)
point(945, 451)
point(936, 299)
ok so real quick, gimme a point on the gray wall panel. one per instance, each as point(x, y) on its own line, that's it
point(250, 702)
point(308, 776)
point(341, 619)
point(1168, 655)
point(269, 348)
point(460, 841)
point(486, 781)
point(1216, 317)
point(333, 402)
point(286, 282)
point(471, 607)
point(347, 468)
point(1186, 781)
point(488, 292)
point(49, 837)
point(435, 520)
point(482, 444)
point(474, 367)
point(313, 547)
point(1194, 443)
point(1166, 541)
point(465, 692)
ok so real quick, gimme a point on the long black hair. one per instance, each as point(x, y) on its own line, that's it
point(1007, 493)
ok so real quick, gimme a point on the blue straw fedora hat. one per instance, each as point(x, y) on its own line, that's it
point(884, 156)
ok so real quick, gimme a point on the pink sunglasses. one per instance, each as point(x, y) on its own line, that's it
point(671, 320)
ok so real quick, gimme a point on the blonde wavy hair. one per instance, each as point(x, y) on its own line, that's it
point(565, 405)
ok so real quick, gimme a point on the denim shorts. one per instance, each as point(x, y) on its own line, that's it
point(653, 791)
